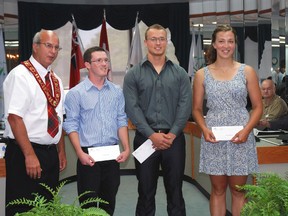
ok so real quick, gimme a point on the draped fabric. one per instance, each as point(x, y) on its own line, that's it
point(264, 34)
point(36, 16)
point(260, 35)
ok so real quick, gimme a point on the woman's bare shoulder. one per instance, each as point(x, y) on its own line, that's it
point(249, 69)
point(200, 72)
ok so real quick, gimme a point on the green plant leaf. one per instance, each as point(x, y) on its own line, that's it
point(54, 207)
point(268, 197)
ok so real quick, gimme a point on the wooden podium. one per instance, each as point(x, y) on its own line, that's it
point(2, 168)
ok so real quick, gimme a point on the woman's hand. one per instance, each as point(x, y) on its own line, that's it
point(240, 137)
point(209, 136)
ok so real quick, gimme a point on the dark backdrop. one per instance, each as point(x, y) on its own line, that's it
point(36, 16)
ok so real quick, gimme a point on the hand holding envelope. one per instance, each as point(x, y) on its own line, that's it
point(104, 153)
point(144, 151)
point(225, 133)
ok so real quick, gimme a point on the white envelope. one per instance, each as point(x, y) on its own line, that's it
point(144, 151)
point(224, 133)
point(104, 153)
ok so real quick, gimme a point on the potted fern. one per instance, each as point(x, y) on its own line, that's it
point(54, 207)
point(268, 197)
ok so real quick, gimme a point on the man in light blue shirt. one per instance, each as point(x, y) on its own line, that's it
point(95, 117)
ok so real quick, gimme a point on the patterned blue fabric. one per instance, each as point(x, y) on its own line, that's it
point(96, 115)
point(226, 101)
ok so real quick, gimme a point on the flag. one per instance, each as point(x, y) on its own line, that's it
point(192, 59)
point(104, 44)
point(196, 59)
point(77, 61)
point(3, 71)
point(135, 55)
point(200, 54)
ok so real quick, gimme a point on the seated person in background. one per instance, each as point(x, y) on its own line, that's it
point(273, 105)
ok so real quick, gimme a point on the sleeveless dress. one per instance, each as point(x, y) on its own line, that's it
point(226, 101)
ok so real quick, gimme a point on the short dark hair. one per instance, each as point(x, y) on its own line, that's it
point(87, 54)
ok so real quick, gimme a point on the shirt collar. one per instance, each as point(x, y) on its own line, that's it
point(40, 69)
point(88, 84)
point(145, 59)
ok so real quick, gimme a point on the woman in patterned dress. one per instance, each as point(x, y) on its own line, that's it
point(226, 84)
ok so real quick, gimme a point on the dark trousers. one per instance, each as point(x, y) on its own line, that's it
point(103, 179)
point(172, 162)
point(19, 184)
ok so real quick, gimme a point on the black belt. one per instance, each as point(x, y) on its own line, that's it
point(36, 145)
point(161, 130)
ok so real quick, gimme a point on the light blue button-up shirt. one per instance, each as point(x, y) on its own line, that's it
point(96, 115)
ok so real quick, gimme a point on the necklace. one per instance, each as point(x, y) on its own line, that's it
point(53, 101)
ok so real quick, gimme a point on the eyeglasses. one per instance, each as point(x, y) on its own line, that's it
point(154, 39)
point(50, 46)
point(100, 61)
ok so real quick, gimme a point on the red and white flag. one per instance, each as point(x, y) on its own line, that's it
point(77, 61)
point(104, 44)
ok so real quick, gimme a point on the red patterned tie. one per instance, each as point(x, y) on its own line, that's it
point(53, 122)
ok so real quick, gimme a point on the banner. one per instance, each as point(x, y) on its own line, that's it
point(3, 71)
point(77, 61)
point(104, 44)
point(135, 55)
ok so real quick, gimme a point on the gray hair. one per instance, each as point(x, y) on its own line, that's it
point(37, 37)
